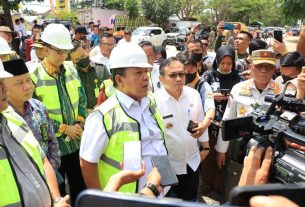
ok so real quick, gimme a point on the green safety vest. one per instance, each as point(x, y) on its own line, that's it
point(10, 195)
point(46, 90)
point(120, 128)
point(108, 87)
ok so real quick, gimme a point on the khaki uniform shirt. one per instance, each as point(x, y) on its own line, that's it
point(245, 99)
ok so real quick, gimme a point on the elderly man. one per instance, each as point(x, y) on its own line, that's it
point(247, 96)
point(180, 104)
point(128, 115)
point(28, 164)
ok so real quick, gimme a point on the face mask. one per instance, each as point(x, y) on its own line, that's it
point(83, 63)
point(286, 78)
point(189, 77)
point(223, 72)
point(196, 56)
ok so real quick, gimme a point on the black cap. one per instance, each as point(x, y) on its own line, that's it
point(81, 29)
point(15, 67)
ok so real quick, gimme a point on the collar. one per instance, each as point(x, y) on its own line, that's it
point(167, 96)
point(127, 101)
point(51, 69)
point(272, 85)
point(27, 107)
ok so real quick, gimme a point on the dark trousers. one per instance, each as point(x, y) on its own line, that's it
point(71, 168)
point(187, 186)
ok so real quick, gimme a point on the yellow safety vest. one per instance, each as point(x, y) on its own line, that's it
point(120, 128)
point(10, 195)
point(46, 90)
point(108, 87)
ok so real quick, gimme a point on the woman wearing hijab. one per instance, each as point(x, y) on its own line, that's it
point(222, 78)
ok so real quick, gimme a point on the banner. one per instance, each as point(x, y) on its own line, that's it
point(62, 6)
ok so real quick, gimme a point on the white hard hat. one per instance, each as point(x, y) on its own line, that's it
point(129, 55)
point(3, 73)
point(4, 47)
point(58, 36)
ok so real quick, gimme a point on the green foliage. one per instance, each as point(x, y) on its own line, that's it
point(190, 9)
point(293, 9)
point(132, 6)
point(65, 16)
point(114, 4)
point(266, 11)
point(158, 11)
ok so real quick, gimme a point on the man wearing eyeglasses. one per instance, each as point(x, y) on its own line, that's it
point(100, 56)
point(179, 105)
point(59, 88)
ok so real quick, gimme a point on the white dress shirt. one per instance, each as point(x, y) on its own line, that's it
point(95, 140)
point(246, 97)
point(182, 148)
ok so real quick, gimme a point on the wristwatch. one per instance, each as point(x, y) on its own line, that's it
point(153, 189)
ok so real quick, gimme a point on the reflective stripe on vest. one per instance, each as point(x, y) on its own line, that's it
point(120, 128)
point(9, 193)
point(24, 135)
point(46, 90)
point(108, 87)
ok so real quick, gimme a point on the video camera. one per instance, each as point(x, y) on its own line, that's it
point(270, 126)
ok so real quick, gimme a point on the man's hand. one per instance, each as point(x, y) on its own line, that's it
point(219, 97)
point(279, 47)
point(220, 159)
point(271, 201)
point(63, 202)
point(199, 130)
point(74, 131)
point(256, 170)
point(301, 84)
point(196, 28)
point(220, 27)
point(122, 178)
point(153, 177)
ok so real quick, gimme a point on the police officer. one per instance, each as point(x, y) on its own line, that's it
point(246, 97)
point(59, 88)
point(23, 164)
point(127, 115)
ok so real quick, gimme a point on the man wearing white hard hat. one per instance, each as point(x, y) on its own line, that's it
point(59, 88)
point(127, 115)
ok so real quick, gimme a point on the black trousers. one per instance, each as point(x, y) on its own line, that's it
point(71, 168)
point(187, 187)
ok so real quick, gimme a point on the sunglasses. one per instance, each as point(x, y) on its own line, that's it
point(175, 75)
point(205, 44)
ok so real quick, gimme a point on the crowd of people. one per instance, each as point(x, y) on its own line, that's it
point(70, 104)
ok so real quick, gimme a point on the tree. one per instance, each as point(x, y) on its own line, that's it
point(11, 5)
point(158, 11)
point(293, 10)
point(190, 9)
point(114, 4)
point(132, 6)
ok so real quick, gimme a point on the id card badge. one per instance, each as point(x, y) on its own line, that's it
point(96, 92)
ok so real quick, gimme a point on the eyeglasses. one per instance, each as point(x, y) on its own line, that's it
point(205, 44)
point(59, 51)
point(107, 44)
point(174, 75)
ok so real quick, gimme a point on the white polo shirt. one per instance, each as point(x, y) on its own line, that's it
point(182, 148)
point(95, 140)
point(245, 99)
